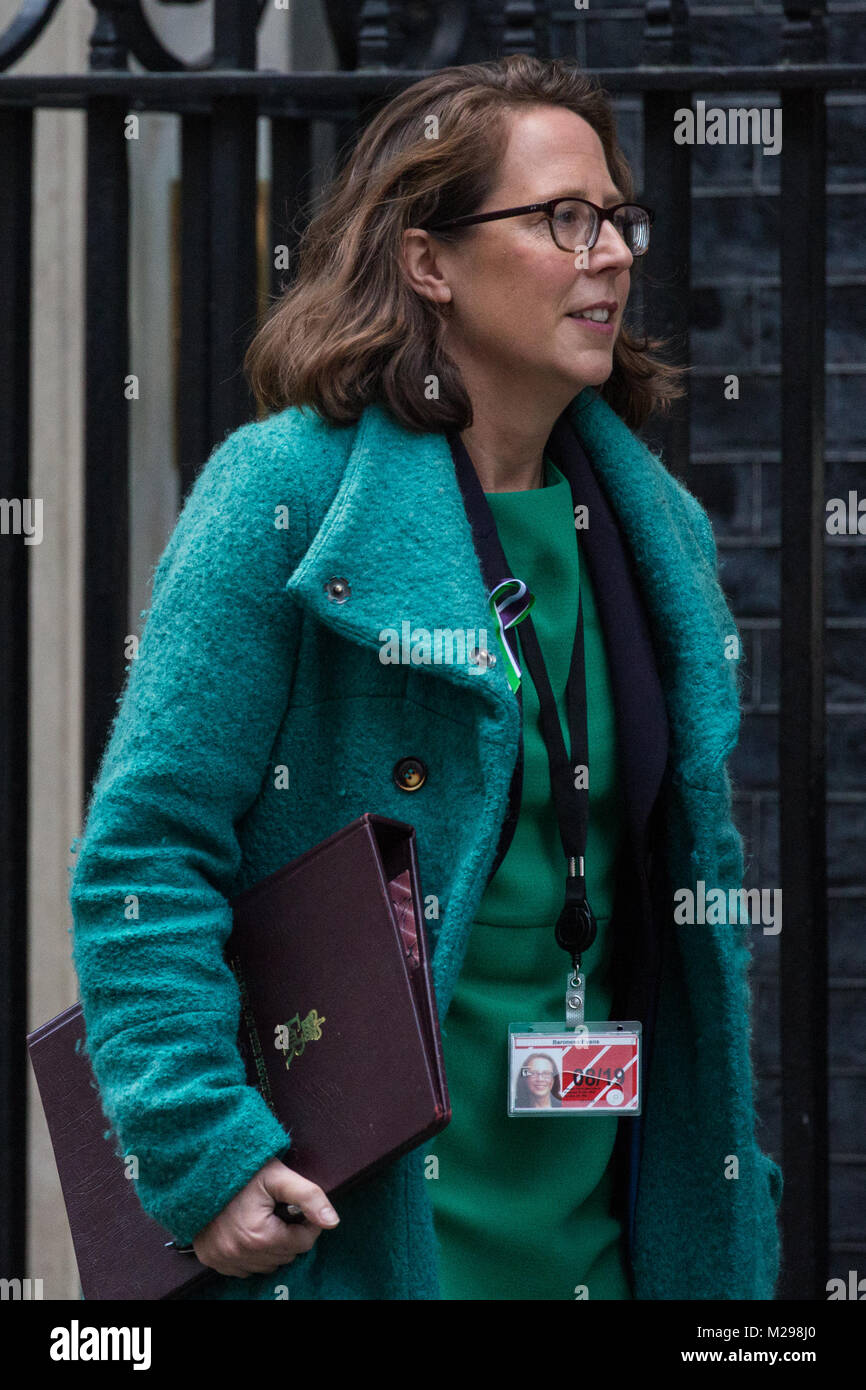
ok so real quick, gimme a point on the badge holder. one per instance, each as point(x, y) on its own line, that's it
point(581, 1069)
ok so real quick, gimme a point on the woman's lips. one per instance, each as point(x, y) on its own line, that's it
point(606, 329)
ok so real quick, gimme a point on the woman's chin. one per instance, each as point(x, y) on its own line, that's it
point(593, 370)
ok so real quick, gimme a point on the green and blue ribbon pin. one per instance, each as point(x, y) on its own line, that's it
point(509, 604)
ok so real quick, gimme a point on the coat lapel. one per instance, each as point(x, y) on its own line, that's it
point(399, 489)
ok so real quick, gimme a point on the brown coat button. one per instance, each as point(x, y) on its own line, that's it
point(409, 774)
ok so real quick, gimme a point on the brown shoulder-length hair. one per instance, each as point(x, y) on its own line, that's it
point(350, 329)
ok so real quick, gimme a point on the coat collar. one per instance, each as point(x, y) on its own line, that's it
point(399, 490)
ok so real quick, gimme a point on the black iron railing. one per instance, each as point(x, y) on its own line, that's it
point(218, 100)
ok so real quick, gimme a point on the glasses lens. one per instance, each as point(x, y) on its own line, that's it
point(633, 225)
point(573, 225)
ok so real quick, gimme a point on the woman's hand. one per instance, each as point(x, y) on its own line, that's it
point(247, 1238)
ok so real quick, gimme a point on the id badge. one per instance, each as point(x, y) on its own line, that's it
point(592, 1069)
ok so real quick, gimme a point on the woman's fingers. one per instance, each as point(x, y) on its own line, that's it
point(283, 1184)
point(248, 1238)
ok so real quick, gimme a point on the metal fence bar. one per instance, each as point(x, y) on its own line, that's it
point(106, 423)
point(378, 36)
point(667, 283)
point(233, 202)
point(193, 403)
point(16, 153)
point(234, 34)
point(291, 191)
point(317, 94)
point(232, 261)
point(802, 774)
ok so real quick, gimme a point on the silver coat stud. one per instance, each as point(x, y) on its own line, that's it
point(338, 589)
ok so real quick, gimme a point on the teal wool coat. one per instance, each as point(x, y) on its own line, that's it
point(250, 675)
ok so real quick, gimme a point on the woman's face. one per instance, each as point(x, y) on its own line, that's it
point(539, 1078)
point(513, 291)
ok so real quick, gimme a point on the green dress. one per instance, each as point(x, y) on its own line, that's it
point(523, 1207)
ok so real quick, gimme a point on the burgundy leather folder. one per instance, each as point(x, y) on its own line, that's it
point(338, 1032)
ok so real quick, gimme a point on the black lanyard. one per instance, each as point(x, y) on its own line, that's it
point(576, 927)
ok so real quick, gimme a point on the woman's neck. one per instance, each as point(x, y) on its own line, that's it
point(508, 435)
point(502, 464)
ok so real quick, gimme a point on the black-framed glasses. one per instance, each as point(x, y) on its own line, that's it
point(576, 222)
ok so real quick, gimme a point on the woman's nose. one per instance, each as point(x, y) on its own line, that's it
point(610, 248)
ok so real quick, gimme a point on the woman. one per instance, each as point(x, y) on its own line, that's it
point(537, 1086)
point(453, 381)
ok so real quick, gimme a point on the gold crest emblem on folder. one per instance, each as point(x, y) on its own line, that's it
point(292, 1037)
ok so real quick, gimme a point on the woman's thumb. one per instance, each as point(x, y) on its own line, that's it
point(285, 1185)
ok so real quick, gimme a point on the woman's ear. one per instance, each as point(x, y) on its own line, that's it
point(422, 267)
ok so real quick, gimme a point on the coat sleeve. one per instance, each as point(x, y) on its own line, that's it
point(187, 754)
